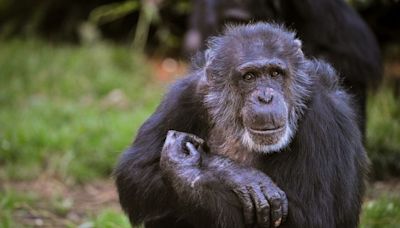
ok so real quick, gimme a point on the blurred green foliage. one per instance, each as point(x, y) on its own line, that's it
point(383, 132)
point(69, 111)
point(383, 212)
point(127, 21)
point(113, 11)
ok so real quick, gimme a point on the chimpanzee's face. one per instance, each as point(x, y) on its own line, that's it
point(265, 111)
point(251, 89)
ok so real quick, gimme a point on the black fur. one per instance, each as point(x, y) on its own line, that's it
point(322, 170)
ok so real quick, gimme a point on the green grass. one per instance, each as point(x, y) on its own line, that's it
point(10, 201)
point(69, 111)
point(383, 212)
point(383, 136)
point(57, 109)
point(384, 120)
point(111, 219)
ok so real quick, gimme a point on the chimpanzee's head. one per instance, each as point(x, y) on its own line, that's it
point(256, 85)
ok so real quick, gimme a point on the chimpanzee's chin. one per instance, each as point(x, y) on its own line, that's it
point(266, 141)
point(267, 137)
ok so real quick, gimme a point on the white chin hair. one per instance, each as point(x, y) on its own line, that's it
point(262, 148)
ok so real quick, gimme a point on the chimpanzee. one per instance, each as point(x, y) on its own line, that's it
point(259, 136)
point(329, 29)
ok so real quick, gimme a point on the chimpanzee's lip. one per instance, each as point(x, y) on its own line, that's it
point(266, 130)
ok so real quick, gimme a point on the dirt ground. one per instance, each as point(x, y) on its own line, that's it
point(57, 204)
point(60, 204)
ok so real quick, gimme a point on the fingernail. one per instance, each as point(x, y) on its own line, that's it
point(278, 222)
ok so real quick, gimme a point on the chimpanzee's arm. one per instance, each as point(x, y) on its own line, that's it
point(195, 176)
point(145, 195)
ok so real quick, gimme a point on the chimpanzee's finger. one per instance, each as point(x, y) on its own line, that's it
point(285, 205)
point(247, 205)
point(276, 202)
point(194, 154)
point(262, 207)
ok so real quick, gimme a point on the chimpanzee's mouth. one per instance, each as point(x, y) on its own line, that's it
point(266, 130)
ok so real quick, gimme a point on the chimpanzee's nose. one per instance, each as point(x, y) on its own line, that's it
point(266, 97)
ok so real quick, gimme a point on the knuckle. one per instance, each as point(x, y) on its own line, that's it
point(276, 202)
point(265, 207)
point(275, 197)
point(243, 190)
point(248, 207)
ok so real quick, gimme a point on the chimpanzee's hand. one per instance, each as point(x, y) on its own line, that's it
point(264, 204)
point(180, 150)
point(180, 158)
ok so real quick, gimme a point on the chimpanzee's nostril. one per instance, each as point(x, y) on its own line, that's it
point(265, 98)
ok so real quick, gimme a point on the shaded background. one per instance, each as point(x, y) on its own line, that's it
point(77, 78)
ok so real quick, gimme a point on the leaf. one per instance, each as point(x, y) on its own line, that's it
point(110, 12)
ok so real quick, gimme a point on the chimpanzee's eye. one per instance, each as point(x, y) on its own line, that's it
point(275, 73)
point(249, 76)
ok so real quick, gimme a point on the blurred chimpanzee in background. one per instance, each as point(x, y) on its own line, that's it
point(329, 29)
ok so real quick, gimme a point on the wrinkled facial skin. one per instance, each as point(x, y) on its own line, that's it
point(256, 86)
point(265, 112)
point(256, 108)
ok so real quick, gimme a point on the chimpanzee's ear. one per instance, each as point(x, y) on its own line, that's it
point(298, 44)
